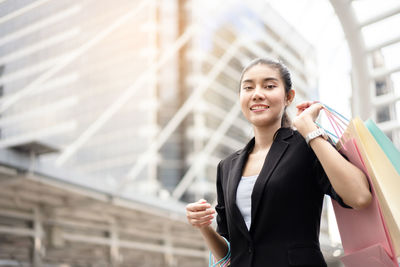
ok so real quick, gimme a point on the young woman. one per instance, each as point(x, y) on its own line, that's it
point(270, 193)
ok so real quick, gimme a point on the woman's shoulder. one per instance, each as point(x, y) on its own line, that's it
point(247, 148)
point(231, 156)
point(298, 146)
point(288, 134)
point(296, 133)
point(298, 138)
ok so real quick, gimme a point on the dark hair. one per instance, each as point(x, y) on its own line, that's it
point(285, 76)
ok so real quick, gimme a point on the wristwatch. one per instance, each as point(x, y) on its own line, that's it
point(315, 134)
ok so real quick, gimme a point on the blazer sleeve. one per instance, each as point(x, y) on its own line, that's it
point(324, 183)
point(222, 227)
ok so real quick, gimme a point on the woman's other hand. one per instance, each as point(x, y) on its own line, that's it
point(307, 113)
point(199, 214)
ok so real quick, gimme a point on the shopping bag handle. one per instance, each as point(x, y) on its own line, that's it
point(337, 114)
point(338, 122)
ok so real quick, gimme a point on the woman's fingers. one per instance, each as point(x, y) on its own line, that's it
point(307, 113)
point(305, 104)
point(199, 213)
point(202, 218)
point(200, 222)
point(197, 206)
point(205, 223)
point(312, 107)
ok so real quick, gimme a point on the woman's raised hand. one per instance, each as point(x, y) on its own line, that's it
point(307, 113)
point(199, 214)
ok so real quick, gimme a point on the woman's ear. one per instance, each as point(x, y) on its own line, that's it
point(290, 96)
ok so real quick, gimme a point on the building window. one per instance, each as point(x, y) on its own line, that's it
point(381, 88)
point(383, 114)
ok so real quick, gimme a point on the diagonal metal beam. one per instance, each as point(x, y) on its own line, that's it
point(208, 149)
point(383, 44)
point(391, 12)
point(42, 133)
point(74, 55)
point(384, 72)
point(40, 24)
point(112, 109)
point(42, 44)
point(22, 10)
point(180, 115)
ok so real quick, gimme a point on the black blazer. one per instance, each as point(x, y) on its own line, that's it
point(286, 205)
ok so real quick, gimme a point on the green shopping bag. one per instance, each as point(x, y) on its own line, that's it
point(384, 142)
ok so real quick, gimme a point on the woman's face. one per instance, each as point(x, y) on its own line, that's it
point(262, 96)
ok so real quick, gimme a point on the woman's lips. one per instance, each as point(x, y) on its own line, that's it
point(259, 107)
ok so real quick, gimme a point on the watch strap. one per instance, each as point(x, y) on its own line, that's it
point(315, 134)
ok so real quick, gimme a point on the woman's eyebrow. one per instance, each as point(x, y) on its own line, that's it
point(264, 80)
point(270, 79)
point(247, 81)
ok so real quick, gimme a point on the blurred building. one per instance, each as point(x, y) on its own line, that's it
point(115, 114)
point(385, 112)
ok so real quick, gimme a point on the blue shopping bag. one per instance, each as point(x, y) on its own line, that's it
point(384, 142)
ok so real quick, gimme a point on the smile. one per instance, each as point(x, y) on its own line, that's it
point(259, 107)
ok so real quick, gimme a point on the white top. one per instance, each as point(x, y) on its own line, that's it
point(243, 197)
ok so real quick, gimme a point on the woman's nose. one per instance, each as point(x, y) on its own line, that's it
point(258, 94)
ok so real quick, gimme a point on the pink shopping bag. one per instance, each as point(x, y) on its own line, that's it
point(363, 232)
point(374, 256)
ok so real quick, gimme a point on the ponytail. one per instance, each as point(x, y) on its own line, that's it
point(286, 122)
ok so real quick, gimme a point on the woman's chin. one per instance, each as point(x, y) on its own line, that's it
point(259, 122)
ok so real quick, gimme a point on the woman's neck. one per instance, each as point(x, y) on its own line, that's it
point(264, 136)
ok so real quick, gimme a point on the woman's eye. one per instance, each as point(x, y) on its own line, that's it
point(271, 86)
point(247, 88)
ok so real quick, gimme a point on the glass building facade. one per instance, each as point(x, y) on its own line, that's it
point(106, 88)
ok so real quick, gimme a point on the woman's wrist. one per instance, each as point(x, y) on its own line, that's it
point(205, 230)
point(215, 242)
point(305, 126)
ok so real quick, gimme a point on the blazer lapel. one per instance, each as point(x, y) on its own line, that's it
point(235, 174)
point(277, 150)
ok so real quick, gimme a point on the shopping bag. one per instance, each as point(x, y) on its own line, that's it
point(363, 233)
point(361, 228)
point(384, 177)
point(374, 256)
point(384, 142)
